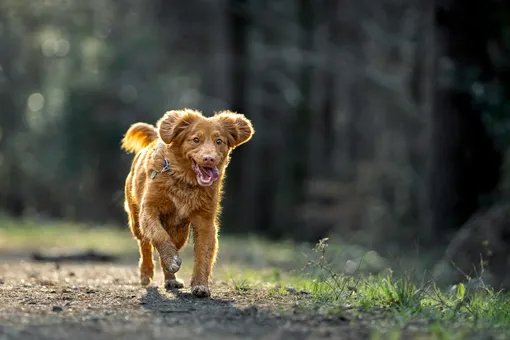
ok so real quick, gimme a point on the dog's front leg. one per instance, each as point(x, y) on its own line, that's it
point(153, 231)
point(205, 248)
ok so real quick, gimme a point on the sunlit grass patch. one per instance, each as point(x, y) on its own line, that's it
point(34, 235)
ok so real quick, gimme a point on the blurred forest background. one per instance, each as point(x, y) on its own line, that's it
point(388, 120)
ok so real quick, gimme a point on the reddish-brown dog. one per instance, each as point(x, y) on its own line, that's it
point(175, 185)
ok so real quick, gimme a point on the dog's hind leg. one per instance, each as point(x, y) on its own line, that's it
point(146, 262)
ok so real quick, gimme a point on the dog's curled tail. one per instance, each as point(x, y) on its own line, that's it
point(138, 136)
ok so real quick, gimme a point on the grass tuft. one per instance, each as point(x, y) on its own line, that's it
point(405, 304)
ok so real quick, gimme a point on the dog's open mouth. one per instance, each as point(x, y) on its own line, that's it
point(205, 175)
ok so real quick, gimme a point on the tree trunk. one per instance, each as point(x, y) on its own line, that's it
point(461, 152)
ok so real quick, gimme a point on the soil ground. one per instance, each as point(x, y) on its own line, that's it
point(105, 301)
point(250, 298)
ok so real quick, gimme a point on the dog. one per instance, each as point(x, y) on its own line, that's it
point(175, 186)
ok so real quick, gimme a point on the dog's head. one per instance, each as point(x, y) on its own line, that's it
point(205, 141)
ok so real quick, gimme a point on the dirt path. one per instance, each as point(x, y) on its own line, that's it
point(90, 301)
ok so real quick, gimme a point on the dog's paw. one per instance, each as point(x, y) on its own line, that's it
point(174, 284)
point(173, 263)
point(146, 274)
point(200, 291)
point(146, 277)
point(145, 281)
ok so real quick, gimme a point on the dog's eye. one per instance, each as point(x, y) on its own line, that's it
point(196, 140)
point(219, 141)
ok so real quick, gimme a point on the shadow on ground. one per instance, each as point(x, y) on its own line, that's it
point(182, 302)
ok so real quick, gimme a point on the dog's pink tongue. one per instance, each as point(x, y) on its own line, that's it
point(213, 173)
point(206, 175)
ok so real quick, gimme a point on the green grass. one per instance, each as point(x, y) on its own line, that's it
point(393, 304)
point(29, 234)
point(396, 306)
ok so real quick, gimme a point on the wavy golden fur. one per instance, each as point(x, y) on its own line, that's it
point(138, 137)
point(163, 206)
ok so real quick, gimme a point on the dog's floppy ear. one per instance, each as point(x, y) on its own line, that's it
point(239, 128)
point(172, 126)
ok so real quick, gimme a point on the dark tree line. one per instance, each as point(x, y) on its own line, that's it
point(385, 119)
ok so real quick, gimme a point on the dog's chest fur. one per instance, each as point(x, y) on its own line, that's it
point(184, 200)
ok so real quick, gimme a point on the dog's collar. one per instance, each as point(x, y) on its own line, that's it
point(166, 168)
